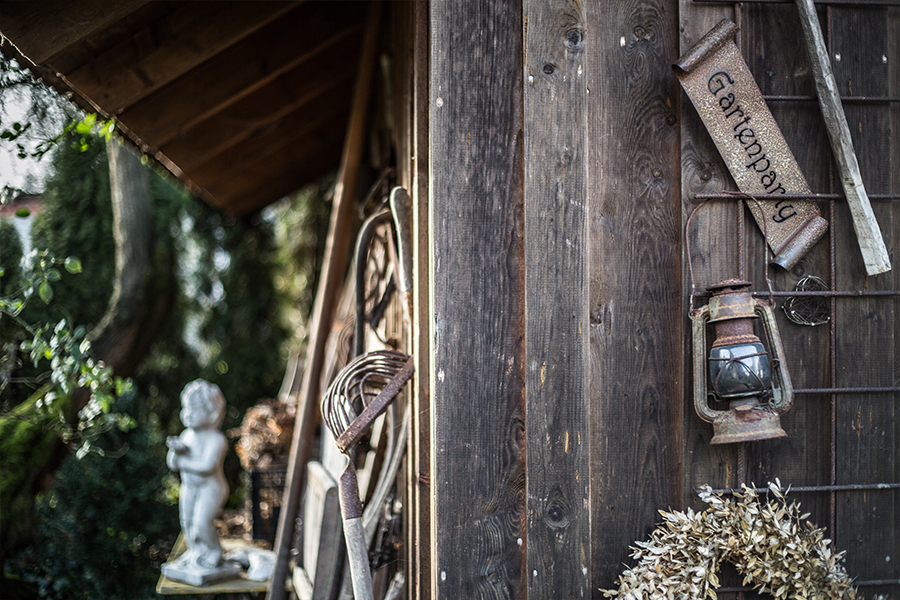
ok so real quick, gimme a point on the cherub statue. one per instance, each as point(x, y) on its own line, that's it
point(198, 453)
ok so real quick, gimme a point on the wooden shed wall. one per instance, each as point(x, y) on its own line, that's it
point(842, 450)
point(564, 161)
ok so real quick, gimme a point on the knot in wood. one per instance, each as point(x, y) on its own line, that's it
point(549, 69)
point(574, 37)
point(556, 516)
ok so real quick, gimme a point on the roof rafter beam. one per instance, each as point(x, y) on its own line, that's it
point(216, 84)
point(42, 29)
point(168, 48)
point(299, 90)
point(276, 136)
point(287, 162)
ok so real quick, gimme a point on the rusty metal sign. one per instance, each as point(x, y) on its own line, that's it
point(722, 89)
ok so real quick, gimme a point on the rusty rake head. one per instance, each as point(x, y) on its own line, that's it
point(361, 392)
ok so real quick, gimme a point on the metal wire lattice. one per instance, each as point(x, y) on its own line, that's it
point(814, 300)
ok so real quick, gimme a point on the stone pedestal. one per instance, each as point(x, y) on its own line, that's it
point(199, 577)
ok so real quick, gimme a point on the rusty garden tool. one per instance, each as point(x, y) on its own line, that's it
point(359, 394)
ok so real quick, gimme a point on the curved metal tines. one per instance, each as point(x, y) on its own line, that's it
point(356, 385)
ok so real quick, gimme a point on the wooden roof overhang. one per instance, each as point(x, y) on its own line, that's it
point(243, 101)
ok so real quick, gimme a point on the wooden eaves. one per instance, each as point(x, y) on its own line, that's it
point(243, 101)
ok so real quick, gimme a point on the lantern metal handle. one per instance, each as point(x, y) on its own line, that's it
point(783, 394)
point(700, 318)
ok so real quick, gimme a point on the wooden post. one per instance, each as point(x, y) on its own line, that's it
point(419, 580)
point(557, 330)
point(336, 250)
point(871, 244)
point(477, 291)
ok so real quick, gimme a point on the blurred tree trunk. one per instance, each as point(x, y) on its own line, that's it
point(145, 283)
point(142, 298)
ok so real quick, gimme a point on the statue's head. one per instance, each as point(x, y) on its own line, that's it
point(202, 403)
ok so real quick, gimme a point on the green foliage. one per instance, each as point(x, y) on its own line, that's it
point(10, 281)
point(61, 354)
point(301, 228)
point(27, 439)
point(41, 112)
point(88, 129)
point(10, 257)
point(76, 220)
point(106, 524)
point(235, 306)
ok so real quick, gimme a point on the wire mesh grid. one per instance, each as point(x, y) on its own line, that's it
point(828, 293)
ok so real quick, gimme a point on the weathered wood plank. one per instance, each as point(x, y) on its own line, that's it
point(164, 50)
point(636, 316)
point(411, 109)
point(80, 52)
point(477, 292)
point(868, 440)
point(41, 29)
point(556, 302)
point(250, 189)
point(420, 453)
point(871, 243)
point(216, 84)
point(803, 457)
point(713, 226)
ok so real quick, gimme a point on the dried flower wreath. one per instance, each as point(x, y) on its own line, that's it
point(773, 546)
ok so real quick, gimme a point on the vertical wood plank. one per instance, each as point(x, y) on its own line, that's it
point(477, 291)
point(419, 573)
point(713, 227)
point(556, 302)
point(865, 328)
point(636, 313)
point(712, 248)
point(867, 445)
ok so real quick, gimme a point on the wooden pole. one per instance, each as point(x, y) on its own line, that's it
point(333, 269)
point(871, 244)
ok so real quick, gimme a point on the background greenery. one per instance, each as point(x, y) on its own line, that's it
point(110, 517)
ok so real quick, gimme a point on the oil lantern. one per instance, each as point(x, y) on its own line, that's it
point(737, 367)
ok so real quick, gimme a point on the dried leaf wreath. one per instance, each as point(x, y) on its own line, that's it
point(773, 546)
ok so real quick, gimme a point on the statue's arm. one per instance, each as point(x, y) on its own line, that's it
point(208, 458)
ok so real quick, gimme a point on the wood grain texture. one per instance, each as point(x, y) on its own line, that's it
point(803, 457)
point(868, 441)
point(477, 297)
point(216, 84)
point(41, 29)
point(636, 315)
point(165, 49)
point(557, 250)
point(868, 233)
point(865, 329)
point(420, 539)
point(288, 97)
point(296, 132)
